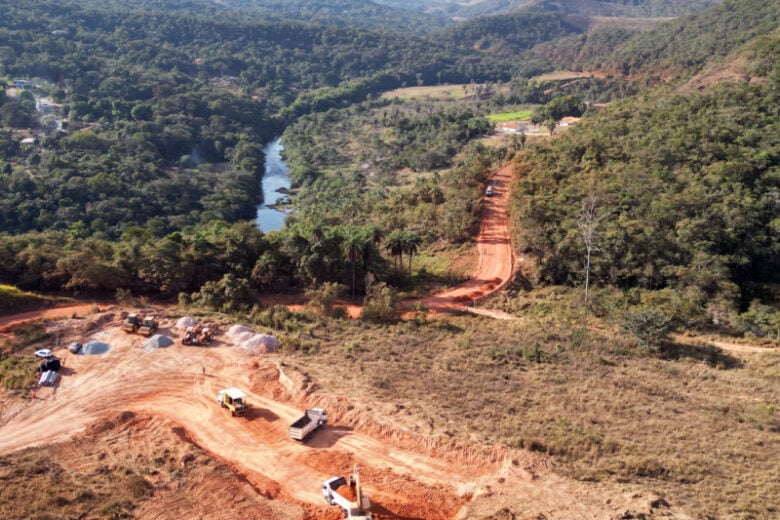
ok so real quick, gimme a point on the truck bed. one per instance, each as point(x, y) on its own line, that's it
point(300, 423)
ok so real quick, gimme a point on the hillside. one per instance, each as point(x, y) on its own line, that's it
point(684, 46)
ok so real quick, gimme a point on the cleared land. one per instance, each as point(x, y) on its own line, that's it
point(124, 405)
point(438, 92)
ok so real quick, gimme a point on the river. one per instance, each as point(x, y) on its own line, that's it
point(275, 178)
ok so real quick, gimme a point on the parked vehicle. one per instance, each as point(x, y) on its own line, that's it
point(196, 335)
point(304, 426)
point(144, 326)
point(233, 400)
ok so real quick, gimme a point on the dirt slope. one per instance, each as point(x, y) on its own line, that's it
point(168, 385)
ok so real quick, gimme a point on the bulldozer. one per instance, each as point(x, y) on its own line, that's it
point(135, 325)
point(196, 336)
point(233, 400)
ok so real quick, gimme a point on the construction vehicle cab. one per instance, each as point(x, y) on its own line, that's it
point(233, 400)
point(148, 326)
point(131, 323)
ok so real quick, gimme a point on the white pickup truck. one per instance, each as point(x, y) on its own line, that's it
point(348, 495)
point(303, 427)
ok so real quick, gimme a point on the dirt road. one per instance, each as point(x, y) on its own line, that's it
point(403, 481)
point(496, 258)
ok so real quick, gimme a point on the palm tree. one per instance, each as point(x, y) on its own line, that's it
point(411, 242)
point(354, 245)
point(395, 244)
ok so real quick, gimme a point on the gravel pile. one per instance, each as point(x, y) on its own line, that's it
point(94, 348)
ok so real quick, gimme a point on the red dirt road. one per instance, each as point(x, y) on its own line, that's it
point(496, 258)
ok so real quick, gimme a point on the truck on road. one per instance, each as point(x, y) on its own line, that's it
point(348, 495)
point(303, 427)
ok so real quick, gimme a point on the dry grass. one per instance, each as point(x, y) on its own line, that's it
point(438, 92)
point(704, 437)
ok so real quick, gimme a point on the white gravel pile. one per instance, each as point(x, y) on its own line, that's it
point(94, 348)
point(157, 341)
point(262, 344)
point(185, 322)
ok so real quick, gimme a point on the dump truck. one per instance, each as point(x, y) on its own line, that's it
point(144, 326)
point(233, 400)
point(196, 336)
point(304, 426)
point(348, 495)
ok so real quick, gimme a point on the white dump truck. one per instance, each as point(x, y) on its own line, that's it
point(348, 495)
point(303, 427)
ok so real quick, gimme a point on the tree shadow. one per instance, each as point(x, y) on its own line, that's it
point(709, 354)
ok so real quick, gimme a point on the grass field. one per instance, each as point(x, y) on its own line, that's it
point(438, 92)
point(519, 115)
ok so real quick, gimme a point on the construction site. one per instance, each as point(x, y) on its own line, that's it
point(285, 442)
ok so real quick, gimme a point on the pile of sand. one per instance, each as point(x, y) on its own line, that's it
point(236, 330)
point(245, 337)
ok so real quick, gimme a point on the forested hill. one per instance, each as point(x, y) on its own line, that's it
point(179, 103)
point(685, 45)
point(511, 33)
point(681, 192)
point(355, 14)
point(626, 8)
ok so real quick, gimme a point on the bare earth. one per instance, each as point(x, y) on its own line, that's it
point(402, 475)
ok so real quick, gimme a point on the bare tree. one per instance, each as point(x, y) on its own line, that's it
point(588, 220)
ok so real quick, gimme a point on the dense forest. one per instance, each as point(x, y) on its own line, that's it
point(145, 175)
point(678, 195)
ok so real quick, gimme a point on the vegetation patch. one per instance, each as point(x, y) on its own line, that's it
point(519, 115)
point(13, 299)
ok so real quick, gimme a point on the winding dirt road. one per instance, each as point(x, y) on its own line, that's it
point(496, 258)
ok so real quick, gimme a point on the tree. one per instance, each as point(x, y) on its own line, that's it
point(588, 220)
point(411, 242)
point(395, 244)
point(354, 246)
point(650, 326)
point(381, 304)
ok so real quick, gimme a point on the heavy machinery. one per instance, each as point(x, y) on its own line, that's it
point(348, 495)
point(303, 427)
point(233, 400)
point(134, 324)
point(196, 335)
